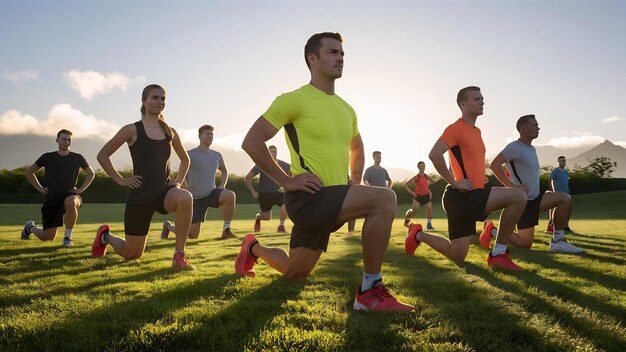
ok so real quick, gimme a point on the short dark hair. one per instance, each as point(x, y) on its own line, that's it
point(461, 95)
point(522, 121)
point(315, 42)
point(63, 131)
point(204, 128)
point(272, 146)
point(421, 162)
point(561, 157)
point(376, 152)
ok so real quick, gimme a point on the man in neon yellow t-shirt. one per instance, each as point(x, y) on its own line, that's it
point(323, 140)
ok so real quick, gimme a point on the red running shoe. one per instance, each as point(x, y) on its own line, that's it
point(502, 261)
point(280, 229)
point(485, 236)
point(410, 242)
point(180, 262)
point(379, 299)
point(245, 261)
point(227, 234)
point(97, 248)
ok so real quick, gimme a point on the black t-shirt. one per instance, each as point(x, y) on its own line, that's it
point(61, 172)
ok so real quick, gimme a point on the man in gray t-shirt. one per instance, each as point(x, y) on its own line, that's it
point(200, 181)
point(269, 193)
point(522, 164)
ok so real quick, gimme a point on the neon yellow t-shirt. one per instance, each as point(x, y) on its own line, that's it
point(322, 126)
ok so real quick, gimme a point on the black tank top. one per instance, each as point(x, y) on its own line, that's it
point(151, 161)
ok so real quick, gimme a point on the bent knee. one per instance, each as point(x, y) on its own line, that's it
point(133, 256)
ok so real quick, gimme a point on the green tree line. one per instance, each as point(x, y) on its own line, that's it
point(14, 188)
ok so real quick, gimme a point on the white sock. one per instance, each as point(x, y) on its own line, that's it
point(494, 232)
point(176, 252)
point(68, 233)
point(369, 279)
point(558, 235)
point(498, 249)
point(282, 222)
point(226, 224)
point(428, 222)
point(103, 240)
point(257, 217)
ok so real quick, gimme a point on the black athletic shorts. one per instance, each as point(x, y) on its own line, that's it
point(268, 199)
point(422, 199)
point(314, 216)
point(464, 209)
point(137, 217)
point(52, 212)
point(201, 205)
point(530, 216)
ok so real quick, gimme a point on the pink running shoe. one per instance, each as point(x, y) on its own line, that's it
point(485, 236)
point(410, 242)
point(502, 261)
point(281, 229)
point(245, 261)
point(180, 262)
point(379, 299)
point(97, 248)
point(166, 231)
point(227, 234)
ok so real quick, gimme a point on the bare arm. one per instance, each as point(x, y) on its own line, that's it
point(88, 179)
point(248, 181)
point(254, 144)
point(127, 134)
point(33, 180)
point(498, 172)
point(223, 175)
point(406, 186)
point(357, 159)
point(436, 156)
point(184, 159)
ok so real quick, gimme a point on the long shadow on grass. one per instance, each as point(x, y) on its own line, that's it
point(114, 321)
point(542, 305)
point(470, 309)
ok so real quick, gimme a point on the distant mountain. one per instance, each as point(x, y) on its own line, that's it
point(548, 154)
point(607, 149)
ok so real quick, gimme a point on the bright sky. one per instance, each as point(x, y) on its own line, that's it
point(82, 65)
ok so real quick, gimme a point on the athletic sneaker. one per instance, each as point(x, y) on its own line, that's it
point(67, 242)
point(245, 261)
point(429, 227)
point(485, 236)
point(379, 299)
point(257, 226)
point(410, 242)
point(550, 229)
point(568, 231)
point(407, 222)
point(281, 229)
point(166, 231)
point(25, 233)
point(227, 233)
point(97, 248)
point(180, 262)
point(502, 261)
point(563, 246)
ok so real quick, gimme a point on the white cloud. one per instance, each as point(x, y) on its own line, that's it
point(60, 116)
point(189, 138)
point(613, 119)
point(20, 76)
point(580, 140)
point(92, 83)
point(620, 143)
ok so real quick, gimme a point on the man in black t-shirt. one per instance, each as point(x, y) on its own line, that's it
point(62, 197)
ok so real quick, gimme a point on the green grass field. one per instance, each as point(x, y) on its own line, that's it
point(60, 299)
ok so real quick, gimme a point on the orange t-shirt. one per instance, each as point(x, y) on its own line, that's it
point(467, 152)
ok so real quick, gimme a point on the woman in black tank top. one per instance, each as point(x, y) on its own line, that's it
point(150, 141)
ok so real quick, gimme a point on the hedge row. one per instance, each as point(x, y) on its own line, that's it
point(14, 188)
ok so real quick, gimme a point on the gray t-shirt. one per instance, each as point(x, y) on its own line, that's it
point(376, 177)
point(202, 169)
point(523, 166)
point(266, 184)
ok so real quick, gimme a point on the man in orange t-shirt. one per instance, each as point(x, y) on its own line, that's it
point(466, 199)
